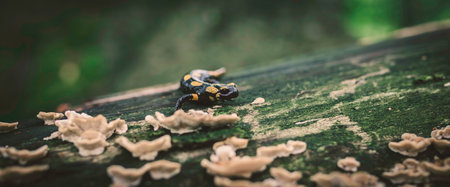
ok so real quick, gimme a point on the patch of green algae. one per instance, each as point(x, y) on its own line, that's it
point(298, 94)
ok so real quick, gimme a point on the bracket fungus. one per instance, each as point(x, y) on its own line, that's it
point(181, 122)
point(226, 150)
point(161, 169)
point(8, 127)
point(441, 133)
point(410, 171)
point(90, 143)
point(348, 164)
point(258, 100)
point(236, 143)
point(439, 167)
point(70, 114)
point(146, 150)
point(441, 140)
point(332, 179)
point(153, 122)
point(411, 145)
point(88, 133)
point(49, 117)
point(238, 166)
point(282, 150)
point(75, 124)
point(358, 179)
point(19, 174)
point(297, 146)
point(283, 178)
point(23, 156)
point(125, 176)
point(442, 146)
point(226, 182)
point(365, 179)
point(223, 153)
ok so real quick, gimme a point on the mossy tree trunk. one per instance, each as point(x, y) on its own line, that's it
point(363, 99)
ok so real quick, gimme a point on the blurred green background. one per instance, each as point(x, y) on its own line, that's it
point(54, 52)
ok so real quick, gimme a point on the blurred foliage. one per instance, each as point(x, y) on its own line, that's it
point(54, 52)
point(372, 18)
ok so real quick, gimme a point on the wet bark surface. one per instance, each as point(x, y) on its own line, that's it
point(349, 102)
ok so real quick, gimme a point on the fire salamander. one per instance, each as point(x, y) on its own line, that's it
point(202, 86)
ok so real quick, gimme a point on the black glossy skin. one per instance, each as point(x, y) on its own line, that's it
point(202, 86)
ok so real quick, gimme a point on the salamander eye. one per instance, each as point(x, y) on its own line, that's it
point(224, 90)
point(232, 84)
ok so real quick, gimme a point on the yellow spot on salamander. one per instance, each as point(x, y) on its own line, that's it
point(212, 98)
point(195, 83)
point(217, 95)
point(231, 84)
point(196, 74)
point(187, 77)
point(211, 89)
point(194, 97)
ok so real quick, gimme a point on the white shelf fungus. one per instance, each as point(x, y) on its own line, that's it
point(410, 171)
point(332, 179)
point(75, 124)
point(358, 179)
point(234, 142)
point(298, 147)
point(23, 156)
point(440, 139)
point(282, 150)
point(181, 122)
point(90, 143)
point(365, 179)
point(442, 146)
point(224, 163)
point(283, 178)
point(223, 153)
point(19, 174)
point(411, 145)
point(125, 176)
point(439, 167)
point(238, 166)
point(226, 182)
point(88, 133)
point(49, 117)
point(226, 150)
point(146, 150)
point(161, 169)
point(153, 122)
point(348, 164)
point(70, 114)
point(441, 133)
point(8, 127)
point(258, 100)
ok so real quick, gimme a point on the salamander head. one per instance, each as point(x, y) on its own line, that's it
point(228, 92)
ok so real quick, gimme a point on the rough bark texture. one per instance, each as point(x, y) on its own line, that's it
point(347, 103)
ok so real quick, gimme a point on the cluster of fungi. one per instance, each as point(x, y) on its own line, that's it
point(90, 136)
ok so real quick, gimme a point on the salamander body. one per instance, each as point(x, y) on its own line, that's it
point(202, 86)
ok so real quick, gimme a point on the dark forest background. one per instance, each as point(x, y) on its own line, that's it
point(53, 52)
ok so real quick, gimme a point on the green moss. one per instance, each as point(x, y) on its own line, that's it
point(383, 106)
